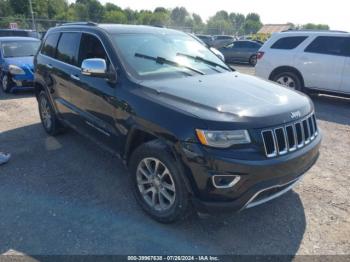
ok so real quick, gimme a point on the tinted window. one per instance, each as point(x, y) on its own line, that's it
point(91, 47)
point(67, 48)
point(224, 38)
point(288, 42)
point(49, 47)
point(329, 45)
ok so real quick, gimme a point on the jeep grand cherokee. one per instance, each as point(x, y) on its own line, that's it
point(192, 131)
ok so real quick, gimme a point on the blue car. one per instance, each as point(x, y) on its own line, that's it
point(16, 62)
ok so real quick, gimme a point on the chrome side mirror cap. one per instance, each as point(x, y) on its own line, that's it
point(94, 67)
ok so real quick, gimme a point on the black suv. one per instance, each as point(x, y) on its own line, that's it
point(192, 131)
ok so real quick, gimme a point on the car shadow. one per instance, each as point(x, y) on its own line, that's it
point(332, 108)
point(65, 195)
point(16, 95)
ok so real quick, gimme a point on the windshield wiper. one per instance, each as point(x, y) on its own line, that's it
point(162, 61)
point(201, 59)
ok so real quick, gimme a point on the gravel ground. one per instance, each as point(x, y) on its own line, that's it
point(64, 195)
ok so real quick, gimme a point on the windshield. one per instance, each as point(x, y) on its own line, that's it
point(150, 56)
point(20, 48)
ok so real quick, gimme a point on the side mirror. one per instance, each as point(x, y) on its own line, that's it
point(94, 67)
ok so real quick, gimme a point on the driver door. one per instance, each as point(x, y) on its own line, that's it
point(94, 97)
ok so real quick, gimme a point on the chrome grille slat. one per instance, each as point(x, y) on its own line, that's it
point(280, 140)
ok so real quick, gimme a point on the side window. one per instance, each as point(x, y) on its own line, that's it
point(49, 47)
point(288, 43)
point(328, 45)
point(91, 47)
point(347, 47)
point(67, 48)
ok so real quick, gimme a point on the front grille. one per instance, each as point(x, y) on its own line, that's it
point(288, 138)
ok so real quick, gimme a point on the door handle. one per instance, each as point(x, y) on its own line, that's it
point(75, 77)
point(49, 66)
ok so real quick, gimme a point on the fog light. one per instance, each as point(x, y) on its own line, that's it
point(225, 181)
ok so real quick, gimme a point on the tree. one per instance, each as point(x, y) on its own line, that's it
point(252, 23)
point(94, 9)
point(220, 24)
point(19, 7)
point(115, 16)
point(112, 7)
point(315, 26)
point(5, 8)
point(178, 16)
point(198, 25)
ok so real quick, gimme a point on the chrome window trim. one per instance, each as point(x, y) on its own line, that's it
point(81, 32)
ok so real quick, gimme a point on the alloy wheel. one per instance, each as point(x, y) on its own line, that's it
point(286, 81)
point(4, 83)
point(45, 112)
point(156, 184)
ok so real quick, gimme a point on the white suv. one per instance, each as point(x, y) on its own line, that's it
point(310, 60)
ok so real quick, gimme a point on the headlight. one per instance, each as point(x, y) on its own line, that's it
point(223, 139)
point(15, 70)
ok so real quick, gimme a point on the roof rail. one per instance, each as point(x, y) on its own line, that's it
point(314, 30)
point(79, 23)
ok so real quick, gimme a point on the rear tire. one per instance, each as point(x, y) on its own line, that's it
point(6, 83)
point(289, 79)
point(253, 60)
point(157, 183)
point(48, 117)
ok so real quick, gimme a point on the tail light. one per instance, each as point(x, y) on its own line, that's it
point(260, 55)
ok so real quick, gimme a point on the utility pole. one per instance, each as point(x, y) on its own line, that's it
point(32, 13)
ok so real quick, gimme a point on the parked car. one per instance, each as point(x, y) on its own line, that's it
point(19, 32)
point(241, 51)
point(214, 50)
point(16, 62)
point(191, 131)
point(207, 39)
point(222, 40)
point(317, 61)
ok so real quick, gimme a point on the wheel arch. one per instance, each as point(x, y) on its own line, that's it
point(282, 69)
point(138, 136)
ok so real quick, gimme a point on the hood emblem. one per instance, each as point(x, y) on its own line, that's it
point(295, 114)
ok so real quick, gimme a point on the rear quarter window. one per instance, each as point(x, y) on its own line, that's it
point(288, 43)
point(49, 47)
point(330, 45)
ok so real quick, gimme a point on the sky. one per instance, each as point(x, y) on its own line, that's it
point(335, 13)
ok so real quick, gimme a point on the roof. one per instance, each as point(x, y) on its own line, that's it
point(17, 38)
point(118, 28)
point(312, 33)
point(274, 28)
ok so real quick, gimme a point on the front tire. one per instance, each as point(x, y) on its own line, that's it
point(158, 184)
point(48, 117)
point(6, 83)
point(289, 79)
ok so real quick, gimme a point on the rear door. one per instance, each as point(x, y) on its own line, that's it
point(65, 72)
point(322, 63)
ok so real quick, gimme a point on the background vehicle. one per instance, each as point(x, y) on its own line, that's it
point(208, 39)
point(191, 131)
point(214, 50)
point(19, 32)
point(310, 60)
point(241, 51)
point(222, 40)
point(16, 62)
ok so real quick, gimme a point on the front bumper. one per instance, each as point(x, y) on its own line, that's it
point(261, 180)
point(23, 82)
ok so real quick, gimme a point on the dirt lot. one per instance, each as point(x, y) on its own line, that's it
point(64, 195)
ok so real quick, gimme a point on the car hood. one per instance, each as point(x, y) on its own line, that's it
point(230, 96)
point(23, 62)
